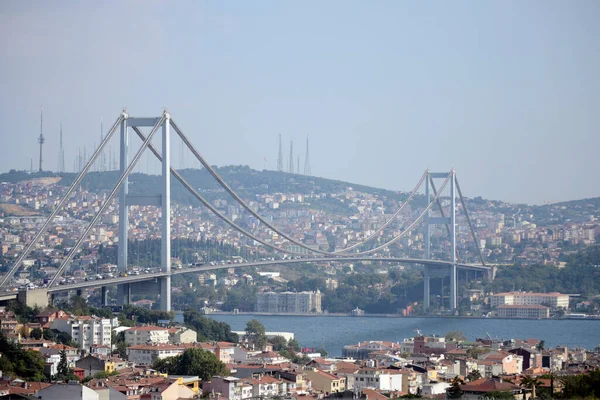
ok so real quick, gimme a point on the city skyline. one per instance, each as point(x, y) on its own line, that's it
point(383, 91)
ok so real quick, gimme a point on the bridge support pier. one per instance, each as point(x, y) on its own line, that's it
point(33, 298)
point(165, 293)
point(427, 291)
point(104, 298)
point(124, 294)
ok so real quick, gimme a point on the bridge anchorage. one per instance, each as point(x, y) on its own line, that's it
point(160, 282)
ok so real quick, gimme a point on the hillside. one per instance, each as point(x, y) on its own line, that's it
point(249, 183)
point(245, 181)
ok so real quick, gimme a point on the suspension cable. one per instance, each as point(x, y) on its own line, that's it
point(112, 194)
point(62, 202)
point(462, 200)
point(225, 186)
point(395, 239)
point(389, 221)
point(207, 204)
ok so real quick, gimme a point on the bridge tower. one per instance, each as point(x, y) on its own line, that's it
point(161, 199)
point(450, 222)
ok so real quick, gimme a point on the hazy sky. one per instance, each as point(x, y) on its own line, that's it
point(506, 92)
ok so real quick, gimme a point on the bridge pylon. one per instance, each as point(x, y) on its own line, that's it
point(161, 199)
point(450, 222)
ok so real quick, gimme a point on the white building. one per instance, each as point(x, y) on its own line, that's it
point(523, 311)
point(146, 335)
point(85, 331)
point(387, 380)
point(289, 302)
point(146, 354)
point(230, 388)
point(182, 335)
point(553, 300)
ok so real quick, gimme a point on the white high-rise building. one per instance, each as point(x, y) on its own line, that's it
point(85, 330)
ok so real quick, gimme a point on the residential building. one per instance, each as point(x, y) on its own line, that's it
point(523, 311)
point(147, 354)
point(362, 350)
point(478, 389)
point(406, 381)
point(553, 300)
point(47, 316)
point(228, 387)
point(85, 330)
point(325, 382)
point(64, 391)
point(289, 302)
point(182, 335)
point(146, 335)
point(432, 345)
point(91, 365)
point(170, 391)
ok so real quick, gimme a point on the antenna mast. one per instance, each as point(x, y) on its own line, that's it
point(291, 168)
point(306, 160)
point(61, 153)
point(280, 159)
point(41, 139)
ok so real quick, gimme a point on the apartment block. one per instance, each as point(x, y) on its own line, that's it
point(289, 302)
point(553, 300)
point(146, 335)
point(86, 331)
point(523, 311)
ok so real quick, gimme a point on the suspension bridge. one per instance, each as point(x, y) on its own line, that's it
point(160, 282)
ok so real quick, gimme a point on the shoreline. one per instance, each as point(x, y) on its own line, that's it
point(261, 314)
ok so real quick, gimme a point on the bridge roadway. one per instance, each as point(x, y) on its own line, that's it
point(156, 275)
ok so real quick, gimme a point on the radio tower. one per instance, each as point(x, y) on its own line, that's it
point(41, 139)
point(291, 168)
point(280, 159)
point(61, 153)
point(306, 160)
point(102, 154)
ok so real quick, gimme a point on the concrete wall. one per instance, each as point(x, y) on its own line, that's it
point(33, 298)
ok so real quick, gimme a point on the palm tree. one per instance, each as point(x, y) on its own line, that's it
point(530, 382)
point(541, 344)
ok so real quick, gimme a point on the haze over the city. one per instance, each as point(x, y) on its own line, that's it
point(505, 92)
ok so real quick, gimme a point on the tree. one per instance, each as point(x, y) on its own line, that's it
point(59, 337)
point(209, 329)
point(36, 333)
point(322, 351)
point(193, 361)
point(473, 375)
point(454, 391)
point(63, 370)
point(530, 383)
point(540, 345)
point(26, 364)
point(255, 334)
point(122, 349)
point(294, 345)
point(79, 305)
point(457, 336)
point(279, 343)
